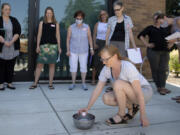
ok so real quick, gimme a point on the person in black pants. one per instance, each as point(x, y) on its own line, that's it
point(10, 31)
point(157, 51)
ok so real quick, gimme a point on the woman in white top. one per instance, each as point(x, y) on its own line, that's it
point(99, 38)
point(130, 88)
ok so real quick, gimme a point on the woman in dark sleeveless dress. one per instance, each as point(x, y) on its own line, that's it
point(48, 46)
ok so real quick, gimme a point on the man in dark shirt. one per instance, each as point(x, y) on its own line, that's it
point(157, 51)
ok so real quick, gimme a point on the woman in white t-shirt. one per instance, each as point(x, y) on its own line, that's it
point(130, 89)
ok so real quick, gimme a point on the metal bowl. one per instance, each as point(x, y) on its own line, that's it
point(83, 121)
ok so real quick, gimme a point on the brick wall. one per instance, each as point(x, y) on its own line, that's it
point(141, 12)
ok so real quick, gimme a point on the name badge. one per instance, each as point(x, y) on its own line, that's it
point(52, 25)
point(84, 29)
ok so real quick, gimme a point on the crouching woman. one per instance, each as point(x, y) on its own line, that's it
point(130, 89)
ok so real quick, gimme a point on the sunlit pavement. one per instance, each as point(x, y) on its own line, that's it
point(49, 112)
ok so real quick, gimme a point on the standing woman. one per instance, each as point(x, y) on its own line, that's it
point(78, 36)
point(48, 46)
point(157, 51)
point(120, 29)
point(10, 31)
point(99, 38)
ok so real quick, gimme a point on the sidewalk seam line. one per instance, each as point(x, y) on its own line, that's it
point(54, 110)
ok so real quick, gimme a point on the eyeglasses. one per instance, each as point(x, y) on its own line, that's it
point(102, 14)
point(117, 9)
point(105, 60)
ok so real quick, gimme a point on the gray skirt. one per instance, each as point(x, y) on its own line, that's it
point(121, 46)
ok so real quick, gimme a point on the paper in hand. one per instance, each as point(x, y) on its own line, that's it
point(135, 55)
point(173, 36)
point(58, 60)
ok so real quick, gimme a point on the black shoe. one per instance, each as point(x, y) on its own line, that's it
point(11, 87)
point(109, 89)
point(2, 89)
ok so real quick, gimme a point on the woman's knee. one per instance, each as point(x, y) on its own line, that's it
point(40, 66)
point(51, 65)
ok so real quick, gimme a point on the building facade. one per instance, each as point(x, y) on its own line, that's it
point(30, 12)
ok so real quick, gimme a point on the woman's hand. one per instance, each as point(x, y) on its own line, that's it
point(144, 121)
point(68, 53)
point(6, 43)
point(38, 49)
point(60, 51)
point(11, 43)
point(2, 39)
point(95, 46)
point(170, 45)
point(135, 48)
point(172, 41)
point(83, 110)
point(92, 52)
point(150, 45)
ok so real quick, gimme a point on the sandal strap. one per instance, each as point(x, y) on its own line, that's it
point(112, 121)
point(33, 87)
point(135, 109)
point(51, 87)
point(128, 116)
point(162, 91)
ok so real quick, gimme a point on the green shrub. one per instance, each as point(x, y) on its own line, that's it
point(174, 64)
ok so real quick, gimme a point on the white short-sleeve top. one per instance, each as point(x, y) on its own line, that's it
point(128, 73)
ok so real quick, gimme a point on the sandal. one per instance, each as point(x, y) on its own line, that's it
point(93, 82)
point(135, 109)
point(109, 89)
point(176, 98)
point(178, 101)
point(111, 121)
point(166, 90)
point(161, 91)
point(51, 87)
point(33, 87)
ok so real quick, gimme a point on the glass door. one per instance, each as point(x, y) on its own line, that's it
point(64, 12)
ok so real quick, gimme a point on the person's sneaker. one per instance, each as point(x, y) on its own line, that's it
point(2, 87)
point(72, 86)
point(84, 87)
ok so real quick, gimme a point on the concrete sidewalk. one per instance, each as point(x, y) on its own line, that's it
point(45, 112)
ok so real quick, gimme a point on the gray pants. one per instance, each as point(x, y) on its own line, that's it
point(159, 63)
point(121, 46)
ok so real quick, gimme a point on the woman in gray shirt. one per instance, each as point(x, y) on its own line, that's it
point(10, 31)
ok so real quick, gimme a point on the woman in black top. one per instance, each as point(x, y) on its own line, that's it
point(10, 30)
point(157, 51)
point(119, 32)
point(48, 46)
